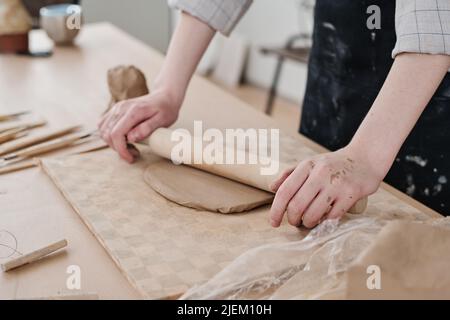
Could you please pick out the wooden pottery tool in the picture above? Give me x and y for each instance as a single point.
(12, 116)
(31, 141)
(19, 131)
(161, 144)
(42, 148)
(19, 166)
(23, 125)
(12, 135)
(33, 256)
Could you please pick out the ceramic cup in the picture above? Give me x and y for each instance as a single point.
(62, 22)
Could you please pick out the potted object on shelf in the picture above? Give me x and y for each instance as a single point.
(15, 23)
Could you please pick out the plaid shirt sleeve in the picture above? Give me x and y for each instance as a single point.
(221, 15)
(422, 26)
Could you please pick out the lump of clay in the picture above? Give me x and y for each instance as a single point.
(126, 82)
(201, 190)
(14, 18)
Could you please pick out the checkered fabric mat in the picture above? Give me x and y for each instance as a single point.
(163, 248)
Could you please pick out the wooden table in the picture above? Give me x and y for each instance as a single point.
(70, 88)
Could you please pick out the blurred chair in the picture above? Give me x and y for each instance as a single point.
(291, 51)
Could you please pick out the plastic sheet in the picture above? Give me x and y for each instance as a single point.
(313, 268)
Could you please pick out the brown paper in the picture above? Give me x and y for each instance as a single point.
(201, 190)
(413, 260)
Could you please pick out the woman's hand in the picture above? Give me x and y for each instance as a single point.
(135, 119)
(323, 187)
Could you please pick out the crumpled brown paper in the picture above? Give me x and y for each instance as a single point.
(126, 82)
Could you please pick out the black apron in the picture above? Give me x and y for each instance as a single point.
(347, 68)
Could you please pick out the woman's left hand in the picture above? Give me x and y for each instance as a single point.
(323, 187)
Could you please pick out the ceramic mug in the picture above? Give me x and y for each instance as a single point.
(62, 22)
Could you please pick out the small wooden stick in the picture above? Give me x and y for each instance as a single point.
(31, 141)
(6, 117)
(34, 162)
(48, 146)
(23, 125)
(19, 166)
(11, 135)
(33, 256)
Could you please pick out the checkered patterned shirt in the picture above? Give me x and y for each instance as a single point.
(221, 15)
(422, 26)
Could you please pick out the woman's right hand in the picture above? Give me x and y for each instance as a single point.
(134, 120)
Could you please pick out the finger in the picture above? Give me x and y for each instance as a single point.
(103, 118)
(144, 129)
(318, 208)
(115, 117)
(122, 128)
(340, 207)
(105, 132)
(133, 150)
(279, 181)
(108, 124)
(301, 201)
(286, 191)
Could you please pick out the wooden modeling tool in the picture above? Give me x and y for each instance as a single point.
(19, 131)
(33, 256)
(42, 148)
(23, 125)
(21, 163)
(12, 135)
(31, 141)
(12, 116)
(19, 166)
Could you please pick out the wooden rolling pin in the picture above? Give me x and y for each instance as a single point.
(162, 145)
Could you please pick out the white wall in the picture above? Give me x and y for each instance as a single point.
(269, 23)
(148, 20)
